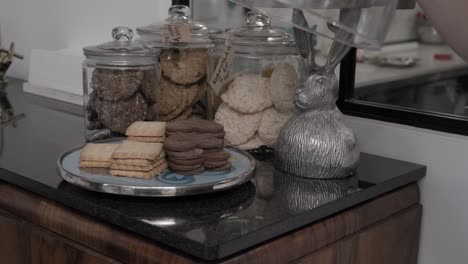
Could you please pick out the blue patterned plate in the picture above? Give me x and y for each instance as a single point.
(167, 183)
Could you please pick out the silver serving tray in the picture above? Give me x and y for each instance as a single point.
(166, 184)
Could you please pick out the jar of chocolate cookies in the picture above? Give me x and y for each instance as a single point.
(120, 80)
(184, 47)
(254, 71)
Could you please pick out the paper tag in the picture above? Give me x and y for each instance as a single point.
(176, 32)
(222, 69)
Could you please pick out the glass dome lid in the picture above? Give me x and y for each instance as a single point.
(362, 23)
(123, 50)
(257, 30)
(199, 34)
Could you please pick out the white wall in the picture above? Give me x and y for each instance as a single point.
(58, 24)
(444, 190)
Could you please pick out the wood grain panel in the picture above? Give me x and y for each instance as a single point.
(22, 242)
(318, 235)
(103, 238)
(130, 248)
(394, 241)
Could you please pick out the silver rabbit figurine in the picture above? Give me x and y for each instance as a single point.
(315, 142)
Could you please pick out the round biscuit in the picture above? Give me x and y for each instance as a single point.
(271, 124)
(283, 84)
(184, 66)
(118, 116)
(248, 93)
(239, 127)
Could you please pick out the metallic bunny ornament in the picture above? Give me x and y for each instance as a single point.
(316, 142)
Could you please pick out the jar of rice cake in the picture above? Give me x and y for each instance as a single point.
(256, 95)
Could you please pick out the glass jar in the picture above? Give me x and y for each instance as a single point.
(257, 97)
(119, 85)
(183, 63)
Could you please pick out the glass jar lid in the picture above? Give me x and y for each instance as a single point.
(257, 31)
(122, 50)
(199, 34)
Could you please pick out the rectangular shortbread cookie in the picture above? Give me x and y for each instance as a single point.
(139, 174)
(146, 129)
(115, 166)
(138, 162)
(138, 150)
(146, 139)
(97, 152)
(94, 164)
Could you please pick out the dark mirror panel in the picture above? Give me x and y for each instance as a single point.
(415, 79)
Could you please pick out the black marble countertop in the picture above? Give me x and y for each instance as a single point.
(207, 227)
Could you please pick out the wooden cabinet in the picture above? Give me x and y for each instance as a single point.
(36, 230)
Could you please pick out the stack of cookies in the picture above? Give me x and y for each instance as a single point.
(146, 131)
(138, 159)
(97, 155)
(193, 146)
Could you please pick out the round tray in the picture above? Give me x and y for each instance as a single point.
(166, 184)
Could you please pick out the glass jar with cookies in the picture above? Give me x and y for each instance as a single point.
(184, 47)
(119, 85)
(255, 97)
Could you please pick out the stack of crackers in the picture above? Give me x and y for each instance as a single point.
(141, 156)
(193, 146)
(138, 160)
(146, 131)
(97, 155)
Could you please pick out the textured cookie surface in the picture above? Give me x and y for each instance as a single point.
(146, 129)
(116, 85)
(186, 161)
(186, 155)
(184, 66)
(139, 174)
(175, 99)
(117, 116)
(94, 164)
(248, 94)
(271, 124)
(147, 139)
(283, 85)
(137, 150)
(97, 152)
(239, 127)
(217, 156)
(202, 126)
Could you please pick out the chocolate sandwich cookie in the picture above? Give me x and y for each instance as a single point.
(186, 155)
(195, 125)
(180, 143)
(212, 150)
(190, 173)
(186, 161)
(118, 115)
(178, 167)
(205, 126)
(214, 164)
(207, 142)
(222, 168)
(217, 156)
(116, 85)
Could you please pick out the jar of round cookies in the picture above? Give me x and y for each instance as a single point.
(184, 47)
(255, 97)
(119, 85)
